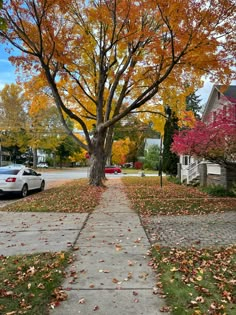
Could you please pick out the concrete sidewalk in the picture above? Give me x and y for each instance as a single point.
(112, 272)
(35, 232)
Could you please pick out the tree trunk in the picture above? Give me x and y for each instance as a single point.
(98, 161)
(108, 146)
(35, 157)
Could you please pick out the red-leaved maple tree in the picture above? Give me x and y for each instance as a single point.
(213, 140)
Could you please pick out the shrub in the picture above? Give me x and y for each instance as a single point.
(138, 165)
(174, 180)
(218, 191)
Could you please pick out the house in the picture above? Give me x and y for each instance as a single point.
(207, 173)
(149, 142)
(219, 99)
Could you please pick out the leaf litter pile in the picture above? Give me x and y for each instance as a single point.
(74, 196)
(149, 198)
(30, 284)
(194, 281)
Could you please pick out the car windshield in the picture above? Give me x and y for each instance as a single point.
(9, 172)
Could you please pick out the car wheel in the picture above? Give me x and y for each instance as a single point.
(42, 186)
(24, 191)
(116, 172)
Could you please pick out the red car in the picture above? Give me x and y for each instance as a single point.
(112, 169)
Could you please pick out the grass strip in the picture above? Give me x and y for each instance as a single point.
(75, 196)
(29, 284)
(197, 281)
(149, 198)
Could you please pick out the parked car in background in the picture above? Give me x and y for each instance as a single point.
(42, 165)
(110, 169)
(20, 180)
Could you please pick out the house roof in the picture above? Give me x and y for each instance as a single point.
(228, 92)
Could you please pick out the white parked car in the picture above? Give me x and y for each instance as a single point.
(20, 179)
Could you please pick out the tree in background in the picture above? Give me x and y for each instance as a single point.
(101, 60)
(46, 130)
(120, 150)
(193, 104)
(14, 120)
(170, 159)
(65, 150)
(152, 157)
(78, 158)
(137, 129)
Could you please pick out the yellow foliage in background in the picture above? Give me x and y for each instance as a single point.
(120, 150)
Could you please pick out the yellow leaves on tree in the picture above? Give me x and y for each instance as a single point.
(120, 150)
(12, 102)
(13, 117)
(79, 157)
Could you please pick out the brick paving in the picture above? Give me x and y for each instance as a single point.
(192, 230)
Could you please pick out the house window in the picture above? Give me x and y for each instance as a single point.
(185, 160)
(213, 116)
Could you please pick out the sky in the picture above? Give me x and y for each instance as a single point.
(7, 76)
(7, 71)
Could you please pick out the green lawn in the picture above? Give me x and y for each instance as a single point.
(135, 171)
(30, 284)
(197, 281)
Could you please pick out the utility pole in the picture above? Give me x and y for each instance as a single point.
(0, 153)
(160, 162)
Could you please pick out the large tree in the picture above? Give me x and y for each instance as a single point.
(104, 59)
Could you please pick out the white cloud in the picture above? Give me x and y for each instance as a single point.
(5, 61)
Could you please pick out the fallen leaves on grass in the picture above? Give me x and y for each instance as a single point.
(75, 196)
(148, 198)
(28, 282)
(201, 279)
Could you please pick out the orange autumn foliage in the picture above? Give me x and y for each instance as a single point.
(120, 150)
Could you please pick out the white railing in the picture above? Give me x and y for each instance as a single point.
(193, 171)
